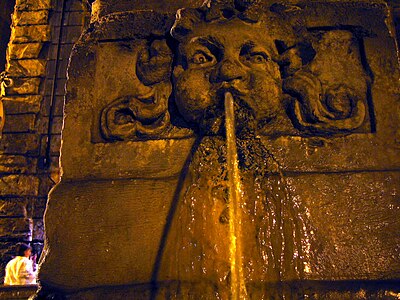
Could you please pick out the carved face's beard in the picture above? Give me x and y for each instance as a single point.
(212, 121)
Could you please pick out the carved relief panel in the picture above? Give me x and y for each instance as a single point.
(299, 82)
(145, 125)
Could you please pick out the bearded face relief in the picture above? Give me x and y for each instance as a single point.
(236, 57)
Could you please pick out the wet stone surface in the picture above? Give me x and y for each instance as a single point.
(298, 200)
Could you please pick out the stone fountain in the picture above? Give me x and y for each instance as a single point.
(235, 150)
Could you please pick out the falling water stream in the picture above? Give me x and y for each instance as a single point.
(238, 287)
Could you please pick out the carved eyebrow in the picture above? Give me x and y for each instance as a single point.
(251, 46)
(209, 42)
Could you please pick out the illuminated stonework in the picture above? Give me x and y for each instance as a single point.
(147, 169)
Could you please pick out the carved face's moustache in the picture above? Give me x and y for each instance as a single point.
(213, 119)
(235, 87)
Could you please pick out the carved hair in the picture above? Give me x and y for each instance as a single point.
(249, 11)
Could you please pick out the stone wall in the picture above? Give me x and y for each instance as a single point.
(29, 149)
(6, 9)
(151, 188)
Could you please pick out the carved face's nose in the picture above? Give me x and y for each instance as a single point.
(229, 70)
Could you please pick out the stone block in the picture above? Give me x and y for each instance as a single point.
(36, 207)
(57, 127)
(22, 104)
(16, 228)
(74, 6)
(33, 4)
(65, 51)
(71, 33)
(20, 143)
(55, 142)
(43, 124)
(38, 230)
(19, 123)
(22, 51)
(29, 34)
(13, 207)
(24, 86)
(74, 18)
(58, 105)
(39, 17)
(60, 87)
(17, 164)
(19, 185)
(26, 67)
(46, 184)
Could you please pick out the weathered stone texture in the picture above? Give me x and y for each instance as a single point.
(36, 207)
(22, 104)
(20, 123)
(38, 229)
(320, 172)
(43, 123)
(16, 228)
(23, 51)
(18, 185)
(17, 164)
(21, 18)
(13, 207)
(24, 86)
(33, 4)
(20, 143)
(26, 67)
(28, 34)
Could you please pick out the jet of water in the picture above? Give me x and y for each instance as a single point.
(238, 287)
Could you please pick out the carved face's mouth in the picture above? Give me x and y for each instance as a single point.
(235, 87)
(213, 118)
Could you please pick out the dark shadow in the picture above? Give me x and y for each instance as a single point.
(170, 218)
(6, 9)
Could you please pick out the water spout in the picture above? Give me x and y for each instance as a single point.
(238, 287)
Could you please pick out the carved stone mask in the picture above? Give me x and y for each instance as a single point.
(227, 55)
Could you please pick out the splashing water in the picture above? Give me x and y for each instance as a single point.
(238, 287)
(238, 232)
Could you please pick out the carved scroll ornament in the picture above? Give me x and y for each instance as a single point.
(320, 109)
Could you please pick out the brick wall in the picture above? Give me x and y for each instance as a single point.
(43, 33)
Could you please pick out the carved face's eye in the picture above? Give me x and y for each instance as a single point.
(257, 58)
(201, 59)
